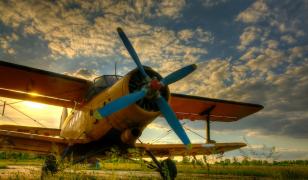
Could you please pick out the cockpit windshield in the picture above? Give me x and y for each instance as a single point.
(101, 83)
(105, 81)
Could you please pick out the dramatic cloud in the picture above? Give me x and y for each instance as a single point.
(83, 29)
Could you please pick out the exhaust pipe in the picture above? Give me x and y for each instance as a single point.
(129, 136)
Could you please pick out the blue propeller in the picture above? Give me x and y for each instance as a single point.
(173, 122)
(153, 86)
(131, 51)
(179, 74)
(120, 103)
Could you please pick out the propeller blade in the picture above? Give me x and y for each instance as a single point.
(179, 74)
(174, 123)
(131, 51)
(119, 104)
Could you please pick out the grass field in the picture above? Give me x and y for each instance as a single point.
(109, 170)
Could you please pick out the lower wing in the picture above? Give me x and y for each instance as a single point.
(27, 141)
(197, 149)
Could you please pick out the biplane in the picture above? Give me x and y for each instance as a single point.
(112, 111)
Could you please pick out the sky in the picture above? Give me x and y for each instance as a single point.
(248, 51)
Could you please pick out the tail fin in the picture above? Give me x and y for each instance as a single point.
(63, 116)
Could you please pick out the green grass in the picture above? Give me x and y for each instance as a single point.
(37, 162)
(186, 170)
(280, 172)
(3, 165)
(123, 166)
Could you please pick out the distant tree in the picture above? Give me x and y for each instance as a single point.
(227, 162)
(245, 161)
(265, 162)
(235, 161)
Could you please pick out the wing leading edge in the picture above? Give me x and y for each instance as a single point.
(201, 108)
(26, 83)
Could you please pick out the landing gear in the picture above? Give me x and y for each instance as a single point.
(50, 166)
(166, 168)
(169, 169)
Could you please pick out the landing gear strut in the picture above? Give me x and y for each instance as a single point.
(166, 168)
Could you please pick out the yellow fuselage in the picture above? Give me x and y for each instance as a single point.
(81, 124)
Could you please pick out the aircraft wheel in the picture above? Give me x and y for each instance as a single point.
(169, 170)
(50, 165)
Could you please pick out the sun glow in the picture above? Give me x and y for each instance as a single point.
(34, 94)
(34, 105)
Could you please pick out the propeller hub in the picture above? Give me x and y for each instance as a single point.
(152, 86)
(155, 84)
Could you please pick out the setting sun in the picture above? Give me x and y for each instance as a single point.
(34, 105)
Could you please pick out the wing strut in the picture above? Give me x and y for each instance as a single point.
(4, 103)
(207, 113)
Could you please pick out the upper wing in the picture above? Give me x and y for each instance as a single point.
(21, 82)
(197, 149)
(198, 108)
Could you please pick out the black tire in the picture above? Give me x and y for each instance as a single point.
(50, 166)
(169, 169)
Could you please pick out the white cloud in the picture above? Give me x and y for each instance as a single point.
(70, 33)
(170, 8)
(157, 126)
(83, 73)
(249, 35)
(6, 43)
(197, 35)
(256, 12)
(288, 39)
(208, 80)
